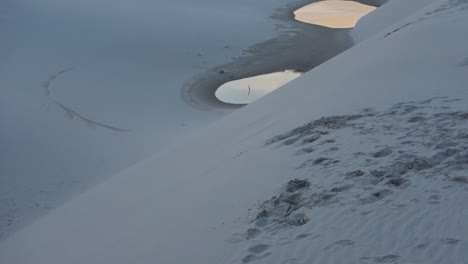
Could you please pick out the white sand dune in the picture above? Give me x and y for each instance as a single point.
(333, 13)
(377, 138)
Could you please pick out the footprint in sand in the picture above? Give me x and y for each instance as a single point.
(382, 153)
(340, 243)
(290, 261)
(434, 199)
(463, 62)
(398, 182)
(449, 241)
(422, 246)
(322, 161)
(309, 236)
(445, 145)
(259, 248)
(383, 259)
(292, 140)
(376, 196)
(311, 139)
(319, 161)
(249, 258)
(252, 232)
(305, 151)
(356, 173)
(416, 119)
(258, 252)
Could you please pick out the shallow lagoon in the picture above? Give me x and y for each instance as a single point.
(333, 13)
(248, 90)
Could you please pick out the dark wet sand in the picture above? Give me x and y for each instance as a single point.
(298, 46)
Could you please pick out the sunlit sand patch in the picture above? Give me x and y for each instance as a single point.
(333, 13)
(247, 90)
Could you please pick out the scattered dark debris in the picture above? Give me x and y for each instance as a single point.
(418, 164)
(297, 184)
(405, 25)
(280, 206)
(460, 179)
(320, 198)
(356, 173)
(298, 219)
(287, 208)
(397, 182)
(262, 214)
(458, 114)
(463, 115)
(400, 168)
(331, 122)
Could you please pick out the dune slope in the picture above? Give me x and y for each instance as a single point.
(376, 136)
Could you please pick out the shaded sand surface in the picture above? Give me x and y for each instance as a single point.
(90, 87)
(247, 90)
(297, 46)
(375, 139)
(333, 14)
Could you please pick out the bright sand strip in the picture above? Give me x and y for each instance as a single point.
(333, 14)
(247, 90)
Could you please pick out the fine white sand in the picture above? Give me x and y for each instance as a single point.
(333, 14)
(376, 137)
(247, 90)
